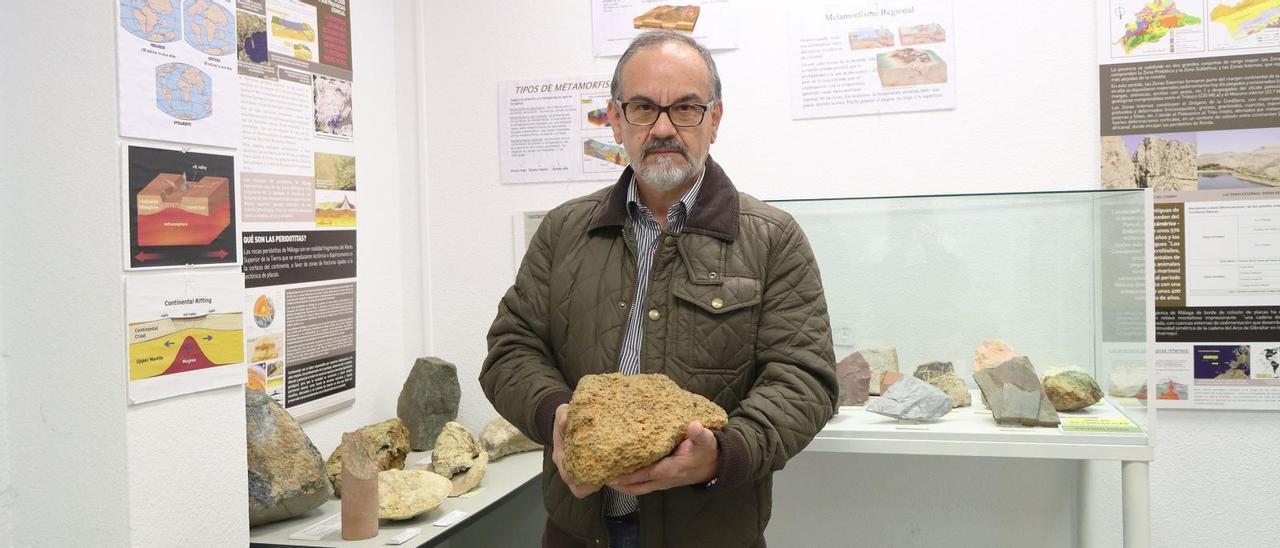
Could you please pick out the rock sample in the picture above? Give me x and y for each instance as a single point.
(887, 379)
(993, 352)
(619, 423)
(1071, 389)
(501, 438)
(403, 494)
(943, 376)
(912, 399)
(1118, 170)
(458, 457)
(428, 399)
(360, 476)
(388, 439)
(853, 373)
(286, 472)
(1166, 164)
(878, 360)
(1014, 394)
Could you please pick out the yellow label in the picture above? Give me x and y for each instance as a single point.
(1095, 424)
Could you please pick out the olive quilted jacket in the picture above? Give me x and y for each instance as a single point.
(735, 312)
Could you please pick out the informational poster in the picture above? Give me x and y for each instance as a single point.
(299, 202)
(557, 130)
(1190, 108)
(614, 23)
(185, 333)
(178, 71)
(181, 208)
(871, 56)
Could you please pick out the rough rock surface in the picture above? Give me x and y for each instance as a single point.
(1118, 170)
(501, 438)
(1013, 393)
(912, 399)
(1071, 389)
(390, 443)
(286, 472)
(619, 423)
(455, 450)
(468, 480)
(943, 376)
(993, 352)
(403, 494)
(879, 360)
(1166, 164)
(887, 379)
(853, 373)
(428, 399)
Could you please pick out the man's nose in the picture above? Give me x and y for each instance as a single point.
(662, 127)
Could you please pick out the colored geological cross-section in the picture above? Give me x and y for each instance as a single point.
(151, 20)
(210, 27)
(183, 91)
(605, 151)
(1153, 22)
(168, 346)
(1247, 17)
(285, 28)
(174, 211)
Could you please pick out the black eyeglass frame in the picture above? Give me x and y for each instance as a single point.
(706, 107)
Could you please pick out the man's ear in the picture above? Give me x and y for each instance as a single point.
(717, 110)
(615, 120)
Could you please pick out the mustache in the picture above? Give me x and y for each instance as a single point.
(669, 144)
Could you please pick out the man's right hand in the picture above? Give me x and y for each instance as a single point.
(557, 453)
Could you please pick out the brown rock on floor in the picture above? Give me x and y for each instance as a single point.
(390, 442)
(620, 423)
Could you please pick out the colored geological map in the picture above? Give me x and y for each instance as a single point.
(210, 27)
(168, 346)
(151, 20)
(1153, 22)
(1248, 17)
(183, 91)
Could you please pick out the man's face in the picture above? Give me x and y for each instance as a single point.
(665, 156)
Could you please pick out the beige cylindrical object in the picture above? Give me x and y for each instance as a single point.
(359, 488)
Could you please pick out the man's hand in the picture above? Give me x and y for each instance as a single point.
(695, 461)
(557, 453)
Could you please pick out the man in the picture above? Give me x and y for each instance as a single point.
(673, 271)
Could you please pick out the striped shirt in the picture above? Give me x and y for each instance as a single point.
(648, 234)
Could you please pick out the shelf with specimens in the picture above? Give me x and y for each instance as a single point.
(1016, 324)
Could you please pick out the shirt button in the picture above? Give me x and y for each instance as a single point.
(717, 303)
(654, 314)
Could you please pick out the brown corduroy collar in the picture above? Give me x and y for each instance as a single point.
(714, 213)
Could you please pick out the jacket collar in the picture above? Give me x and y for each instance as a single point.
(714, 213)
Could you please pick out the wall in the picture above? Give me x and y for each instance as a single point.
(1026, 120)
(6, 485)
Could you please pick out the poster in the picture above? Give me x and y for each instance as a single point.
(299, 201)
(557, 130)
(614, 23)
(1190, 108)
(181, 208)
(177, 71)
(871, 56)
(184, 333)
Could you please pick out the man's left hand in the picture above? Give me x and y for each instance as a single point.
(695, 461)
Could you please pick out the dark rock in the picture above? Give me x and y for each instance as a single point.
(286, 473)
(428, 399)
(1071, 389)
(1013, 393)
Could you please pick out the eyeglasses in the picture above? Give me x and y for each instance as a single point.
(644, 113)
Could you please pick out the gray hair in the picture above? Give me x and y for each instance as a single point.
(655, 38)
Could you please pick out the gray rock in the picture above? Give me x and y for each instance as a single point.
(1071, 390)
(853, 373)
(912, 399)
(455, 450)
(1013, 393)
(286, 473)
(428, 399)
(501, 438)
(879, 360)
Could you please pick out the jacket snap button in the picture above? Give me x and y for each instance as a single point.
(711, 275)
(622, 304)
(669, 240)
(654, 314)
(717, 303)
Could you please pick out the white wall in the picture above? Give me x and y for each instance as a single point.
(1026, 120)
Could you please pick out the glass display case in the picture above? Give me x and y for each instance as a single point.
(1063, 278)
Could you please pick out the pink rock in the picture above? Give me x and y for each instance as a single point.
(993, 352)
(854, 375)
(887, 379)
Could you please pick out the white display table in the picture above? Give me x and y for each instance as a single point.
(501, 481)
(972, 432)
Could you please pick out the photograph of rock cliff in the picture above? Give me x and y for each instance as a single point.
(1242, 158)
(1160, 162)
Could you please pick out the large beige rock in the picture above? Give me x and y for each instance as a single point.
(389, 440)
(1166, 164)
(620, 423)
(403, 494)
(501, 438)
(455, 450)
(469, 479)
(1118, 170)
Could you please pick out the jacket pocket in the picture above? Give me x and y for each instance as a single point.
(715, 324)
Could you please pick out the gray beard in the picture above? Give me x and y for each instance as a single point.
(665, 175)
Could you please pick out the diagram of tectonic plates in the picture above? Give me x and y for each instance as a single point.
(168, 346)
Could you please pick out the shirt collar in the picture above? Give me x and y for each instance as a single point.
(686, 201)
